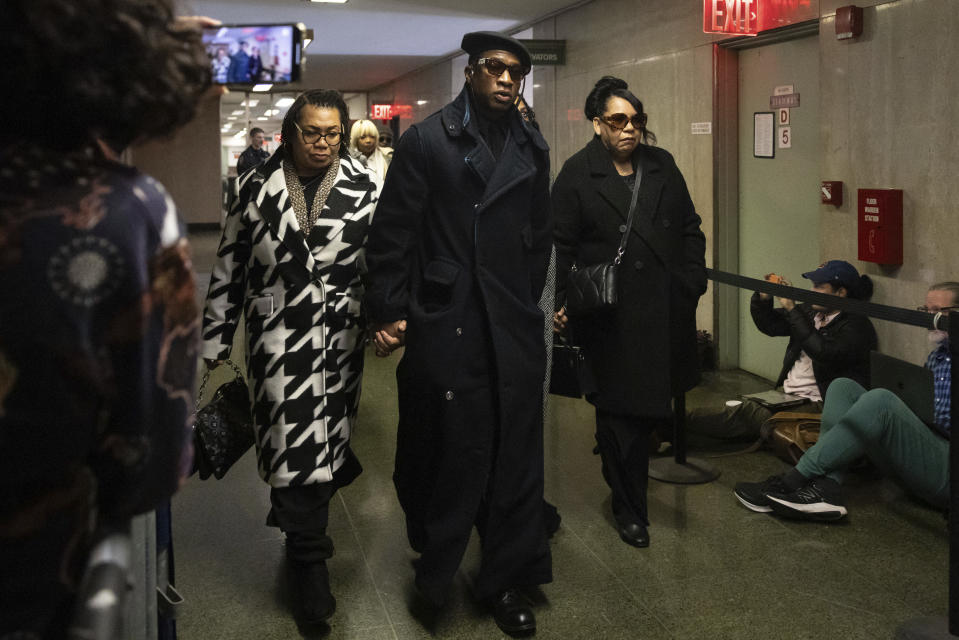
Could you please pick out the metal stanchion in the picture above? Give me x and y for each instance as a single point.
(679, 469)
(936, 627)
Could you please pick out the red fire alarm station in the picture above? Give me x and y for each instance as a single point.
(880, 225)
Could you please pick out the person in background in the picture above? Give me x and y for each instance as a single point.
(643, 352)
(824, 344)
(221, 66)
(98, 323)
(254, 155)
(240, 64)
(386, 138)
(458, 255)
(876, 425)
(289, 263)
(364, 146)
(256, 64)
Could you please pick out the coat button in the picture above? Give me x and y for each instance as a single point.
(449, 395)
(666, 223)
(622, 228)
(638, 264)
(477, 205)
(459, 331)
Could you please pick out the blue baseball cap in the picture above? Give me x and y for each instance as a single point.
(837, 272)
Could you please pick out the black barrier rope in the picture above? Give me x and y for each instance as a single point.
(871, 309)
(920, 628)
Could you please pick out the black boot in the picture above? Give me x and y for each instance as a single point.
(512, 614)
(311, 587)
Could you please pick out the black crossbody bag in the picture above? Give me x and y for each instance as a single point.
(592, 289)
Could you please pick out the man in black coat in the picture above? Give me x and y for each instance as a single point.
(255, 154)
(457, 256)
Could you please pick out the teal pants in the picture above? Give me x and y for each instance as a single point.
(878, 425)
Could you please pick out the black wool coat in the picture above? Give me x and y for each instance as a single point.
(459, 247)
(644, 351)
(838, 350)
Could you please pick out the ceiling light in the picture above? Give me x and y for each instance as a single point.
(262, 118)
(537, 86)
(240, 134)
(238, 112)
(249, 103)
(307, 38)
(421, 102)
(231, 117)
(261, 88)
(284, 102)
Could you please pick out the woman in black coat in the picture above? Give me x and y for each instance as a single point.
(644, 351)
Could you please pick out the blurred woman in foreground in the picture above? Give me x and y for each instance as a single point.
(98, 321)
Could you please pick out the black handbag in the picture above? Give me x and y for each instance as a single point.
(223, 431)
(592, 289)
(570, 376)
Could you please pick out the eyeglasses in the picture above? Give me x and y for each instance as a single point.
(926, 309)
(332, 138)
(618, 121)
(496, 68)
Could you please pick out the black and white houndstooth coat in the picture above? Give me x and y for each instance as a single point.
(303, 323)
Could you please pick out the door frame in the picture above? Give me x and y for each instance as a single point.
(726, 177)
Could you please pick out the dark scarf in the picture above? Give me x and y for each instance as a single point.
(494, 132)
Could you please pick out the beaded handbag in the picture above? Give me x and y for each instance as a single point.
(223, 431)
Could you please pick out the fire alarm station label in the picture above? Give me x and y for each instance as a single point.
(871, 210)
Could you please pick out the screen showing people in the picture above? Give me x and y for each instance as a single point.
(251, 54)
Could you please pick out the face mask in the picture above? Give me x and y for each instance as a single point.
(937, 337)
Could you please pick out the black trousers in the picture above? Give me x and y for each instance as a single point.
(303, 514)
(624, 447)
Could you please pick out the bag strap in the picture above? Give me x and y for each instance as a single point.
(629, 217)
(206, 378)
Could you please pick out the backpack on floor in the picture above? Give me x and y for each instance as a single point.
(790, 433)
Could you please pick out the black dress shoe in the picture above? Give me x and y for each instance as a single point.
(634, 534)
(311, 586)
(512, 614)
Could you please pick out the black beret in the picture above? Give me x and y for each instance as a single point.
(477, 42)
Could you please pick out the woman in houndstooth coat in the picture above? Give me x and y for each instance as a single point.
(300, 295)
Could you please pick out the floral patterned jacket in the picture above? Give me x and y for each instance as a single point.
(98, 345)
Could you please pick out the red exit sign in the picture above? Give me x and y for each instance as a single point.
(381, 111)
(750, 17)
(387, 111)
(735, 17)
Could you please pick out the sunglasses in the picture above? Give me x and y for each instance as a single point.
(618, 121)
(496, 68)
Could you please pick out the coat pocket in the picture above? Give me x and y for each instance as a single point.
(260, 307)
(439, 281)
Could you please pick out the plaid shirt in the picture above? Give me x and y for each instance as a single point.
(940, 362)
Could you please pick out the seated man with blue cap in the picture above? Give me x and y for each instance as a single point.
(873, 424)
(824, 344)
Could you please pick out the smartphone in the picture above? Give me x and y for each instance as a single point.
(248, 54)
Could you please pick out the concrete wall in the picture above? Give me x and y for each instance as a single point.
(188, 165)
(888, 120)
(888, 112)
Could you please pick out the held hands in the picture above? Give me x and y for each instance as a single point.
(560, 321)
(389, 337)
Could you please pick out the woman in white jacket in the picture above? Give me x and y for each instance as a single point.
(365, 146)
(289, 263)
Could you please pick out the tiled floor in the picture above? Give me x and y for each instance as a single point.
(714, 570)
